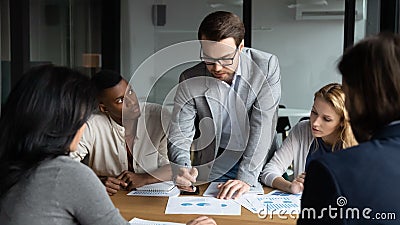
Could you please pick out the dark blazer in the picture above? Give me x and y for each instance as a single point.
(364, 178)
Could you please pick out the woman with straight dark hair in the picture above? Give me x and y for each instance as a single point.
(360, 185)
(41, 123)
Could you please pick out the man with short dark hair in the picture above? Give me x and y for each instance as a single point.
(230, 100)
(125, 141)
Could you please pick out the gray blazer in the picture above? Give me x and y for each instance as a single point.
(197, 111)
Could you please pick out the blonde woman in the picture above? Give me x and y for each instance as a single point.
(328, 130)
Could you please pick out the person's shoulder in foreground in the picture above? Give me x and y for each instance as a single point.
(356, 184)
(58, 180)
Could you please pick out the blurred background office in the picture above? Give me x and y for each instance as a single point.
(308, 36)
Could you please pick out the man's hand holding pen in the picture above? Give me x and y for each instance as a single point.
(186, 178)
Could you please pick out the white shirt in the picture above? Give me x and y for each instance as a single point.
(294, 149)
(232, 132)
(104, 140)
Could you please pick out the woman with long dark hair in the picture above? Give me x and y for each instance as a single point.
(42, 121)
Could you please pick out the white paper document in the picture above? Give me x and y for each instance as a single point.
(137, 221)
(275, 202)
(279, 202)
(202, 205)
(250, 202)
(212, 190)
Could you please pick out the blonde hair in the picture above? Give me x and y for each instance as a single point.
(334, 95)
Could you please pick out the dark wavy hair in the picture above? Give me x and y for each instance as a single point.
(371, 78)
(42, 114)
(220, 25)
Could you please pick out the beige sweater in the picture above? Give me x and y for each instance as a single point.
(104, 140)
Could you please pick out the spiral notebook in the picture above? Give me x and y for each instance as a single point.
(161, 186)
(166, 188)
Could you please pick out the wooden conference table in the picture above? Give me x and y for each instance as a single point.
(152, 208)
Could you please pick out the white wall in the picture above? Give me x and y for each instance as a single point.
(137, 34)
(184, 18)
(137, 38)
(140, 39)
(307, 50)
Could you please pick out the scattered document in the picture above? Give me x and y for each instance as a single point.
(251, 203)
(162, 189)
(278, 202)
(202, 205)
(137, 221)
(275, 202)
(212, 190)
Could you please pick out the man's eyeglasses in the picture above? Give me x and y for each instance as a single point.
(220, 61)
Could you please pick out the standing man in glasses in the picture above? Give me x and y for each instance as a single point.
(225, 110)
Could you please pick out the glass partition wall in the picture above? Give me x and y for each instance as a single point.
(5, 74)
(66, 32)
(306, 35)
(150, 26)
(60, 32)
